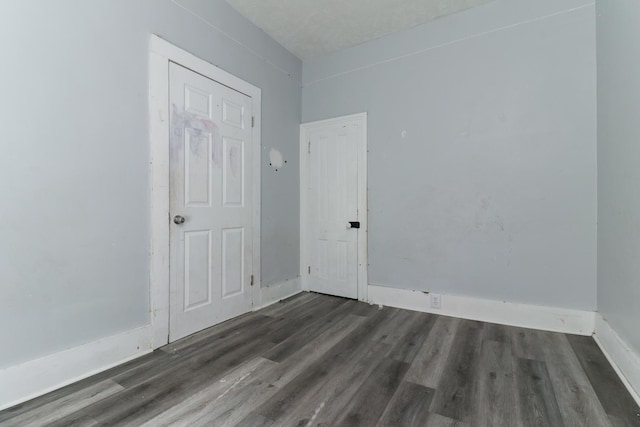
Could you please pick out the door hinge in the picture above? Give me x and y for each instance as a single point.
(253, 121)
(252, 280)
(309, 147)
(309, 269)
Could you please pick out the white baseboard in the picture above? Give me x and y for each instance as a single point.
(34, 378)
(622, 357)
(523, 315)
(277, 291)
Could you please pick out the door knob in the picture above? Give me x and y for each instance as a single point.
(178, 219)
(353, 224)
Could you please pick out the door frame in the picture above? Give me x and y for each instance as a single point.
(161, 53)
(363, 210)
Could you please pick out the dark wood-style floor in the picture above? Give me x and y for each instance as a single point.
(326, 361)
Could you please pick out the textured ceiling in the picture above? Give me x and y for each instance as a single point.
(311, 28)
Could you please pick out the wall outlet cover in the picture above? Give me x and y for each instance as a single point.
(436, 300)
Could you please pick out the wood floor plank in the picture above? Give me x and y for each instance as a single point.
(304, 335)
(142, 402)
(324, 405)
(226, 329)
(243, 401)
(255, 421)
(188, 411)
(144, 373)
(310, 353)
(319, 372)
(409, 407)
(371, 399)
(578, 402)
(297, 314)
(397, 318)
(364, 309)
(496, 394)
(83, 421)
(397, 326)
(292, 307)
(65, 405)
(431, 359)
(409, 343)
(607, 385)
(436, 420)
(455, 395)
(286, 326)
(526, 343)
(497, 332)
(619, 422)
(536, 398)
(295, 299)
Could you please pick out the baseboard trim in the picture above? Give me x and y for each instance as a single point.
(277, 291)
(625, 361)
(523, 315)
(40, 376)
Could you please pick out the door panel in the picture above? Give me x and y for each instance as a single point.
(197, 274)
(210, 187)
(333, 203)
(232, 262)
(197, 172)
(233, 173)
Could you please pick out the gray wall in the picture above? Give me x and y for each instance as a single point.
(492, 193)
(73, 171)
(618, 27)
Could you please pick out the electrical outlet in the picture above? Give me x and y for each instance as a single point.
(436, 300)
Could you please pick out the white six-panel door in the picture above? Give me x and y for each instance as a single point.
(210, 202)
(332, 204)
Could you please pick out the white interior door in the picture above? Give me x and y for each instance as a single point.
(210, 202)
(333, 214)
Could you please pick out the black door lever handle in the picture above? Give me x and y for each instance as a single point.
(354, 224)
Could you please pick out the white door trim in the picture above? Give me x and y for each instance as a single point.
(363, 211)
(161, 53)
